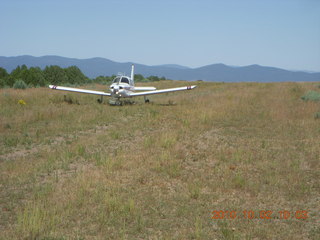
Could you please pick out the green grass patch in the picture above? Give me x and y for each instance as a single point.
(311, 96)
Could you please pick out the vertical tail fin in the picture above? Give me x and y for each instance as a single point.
(132, 74)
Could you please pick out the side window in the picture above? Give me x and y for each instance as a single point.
(116, 80)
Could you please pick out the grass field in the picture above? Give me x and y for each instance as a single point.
(223, 161)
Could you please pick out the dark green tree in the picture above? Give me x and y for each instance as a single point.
(4, 77)
(75, 76)
(15, 73)
(2, 83)
(55, 75)
(3, 73)
(138, 78)
(35, 77)
(154, 78)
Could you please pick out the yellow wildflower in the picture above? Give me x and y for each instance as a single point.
(21, 102)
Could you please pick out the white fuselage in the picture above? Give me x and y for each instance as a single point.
(121, 86)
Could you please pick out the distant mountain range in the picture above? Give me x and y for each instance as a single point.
(94, 67)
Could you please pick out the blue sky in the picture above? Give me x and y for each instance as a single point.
(194, 33)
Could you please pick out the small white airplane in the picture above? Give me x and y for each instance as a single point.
(123, 87)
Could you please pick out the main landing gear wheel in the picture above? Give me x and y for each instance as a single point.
(146, 100)
(100, 100)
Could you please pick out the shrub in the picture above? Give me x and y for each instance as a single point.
(311, 96)
(20, 84)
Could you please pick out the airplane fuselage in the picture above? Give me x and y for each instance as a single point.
(121, 87)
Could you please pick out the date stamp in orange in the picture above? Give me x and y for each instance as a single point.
(262, 214)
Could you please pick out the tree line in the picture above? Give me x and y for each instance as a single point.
(36, 77)
(23, 77)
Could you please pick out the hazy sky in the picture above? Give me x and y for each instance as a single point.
(279, 33)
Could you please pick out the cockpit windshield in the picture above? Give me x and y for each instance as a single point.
(121, 80)
(124, 80)
(116, 80)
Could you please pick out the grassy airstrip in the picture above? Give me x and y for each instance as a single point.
(170, 169)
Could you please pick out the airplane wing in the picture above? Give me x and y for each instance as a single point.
(79, 90)
(144, 88)
(162, 91)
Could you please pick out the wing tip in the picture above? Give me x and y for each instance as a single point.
(191, 87)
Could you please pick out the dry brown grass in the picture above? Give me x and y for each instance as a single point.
(157, 171)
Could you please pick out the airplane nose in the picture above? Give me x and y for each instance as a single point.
(115, 89)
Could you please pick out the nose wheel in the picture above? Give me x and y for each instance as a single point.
(115, 102)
